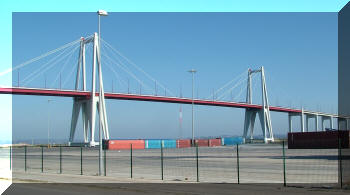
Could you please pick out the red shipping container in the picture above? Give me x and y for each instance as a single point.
(125, 144)
(183, 143)
(214, 142)
(202, 142)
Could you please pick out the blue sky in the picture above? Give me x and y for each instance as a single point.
(298, 51)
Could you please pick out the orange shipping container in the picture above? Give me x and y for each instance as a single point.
(214, 142)
(202, 142)
(183, 143)
(126, 144)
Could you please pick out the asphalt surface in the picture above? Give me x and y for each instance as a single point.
(178, 189)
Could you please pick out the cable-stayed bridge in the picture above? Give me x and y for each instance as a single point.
(90, 99)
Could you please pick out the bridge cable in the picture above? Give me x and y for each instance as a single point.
(226, 84)
(74, 68)
(64, 65)
(30, 77)
(39, 57)
(115, 73)
(127, 71)
(138, 68)
(110, 66)
(234, 86)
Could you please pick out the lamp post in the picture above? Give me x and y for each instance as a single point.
(192, 71)
(48, 122)
(100, 13)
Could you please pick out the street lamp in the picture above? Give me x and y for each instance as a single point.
(192, 71)
(48, 122)
(100, 13)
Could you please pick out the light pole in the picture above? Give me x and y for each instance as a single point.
(192, 71)
(48, 122)
(100, 13)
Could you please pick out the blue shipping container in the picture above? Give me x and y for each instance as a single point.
(156, 143)
(231, 141)
(169, 143)
(152, 143)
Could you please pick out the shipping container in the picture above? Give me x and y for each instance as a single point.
(156, 143)
(214, 142)
(152, 143)
(183, 143)
(169, 143)
(202, 142)
(318, 140)
(226, 141)
(125, 144)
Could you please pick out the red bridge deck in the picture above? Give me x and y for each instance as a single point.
(120, 96)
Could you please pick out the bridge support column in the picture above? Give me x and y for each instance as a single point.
(322, 123)
(249, 121)
(302, 122)
(96, 103)
(331, 122)
(307, 122)
(290, 123)
(302, 126)
(308, 117)
(264, 112)
(330, 118)
(78, 105)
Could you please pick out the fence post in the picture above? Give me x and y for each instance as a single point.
(10, 157)
(81, 160)
(105, 162)
(42, 159)
(284, 164)
(161, 160)
(60, 159)
(340, 162)
(237, 163)
(130, 160)
(197, 162)
(25, 158)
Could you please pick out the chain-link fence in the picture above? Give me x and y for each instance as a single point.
(246, 163)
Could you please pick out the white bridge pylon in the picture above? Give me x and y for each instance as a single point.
(264, 113)
(95, 102)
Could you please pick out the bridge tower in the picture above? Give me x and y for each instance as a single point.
(264, 112)
(96, 102)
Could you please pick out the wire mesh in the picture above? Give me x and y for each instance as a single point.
(71, 160)
(51, 160)
(90, 162)
(318, 167)
(180, 164)
(33, 159)
(18, 159)
(118, 163)
(147, 163)
(261, 163)
(218, 164)
(258, 163)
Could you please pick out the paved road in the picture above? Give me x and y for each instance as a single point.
(154, 189)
